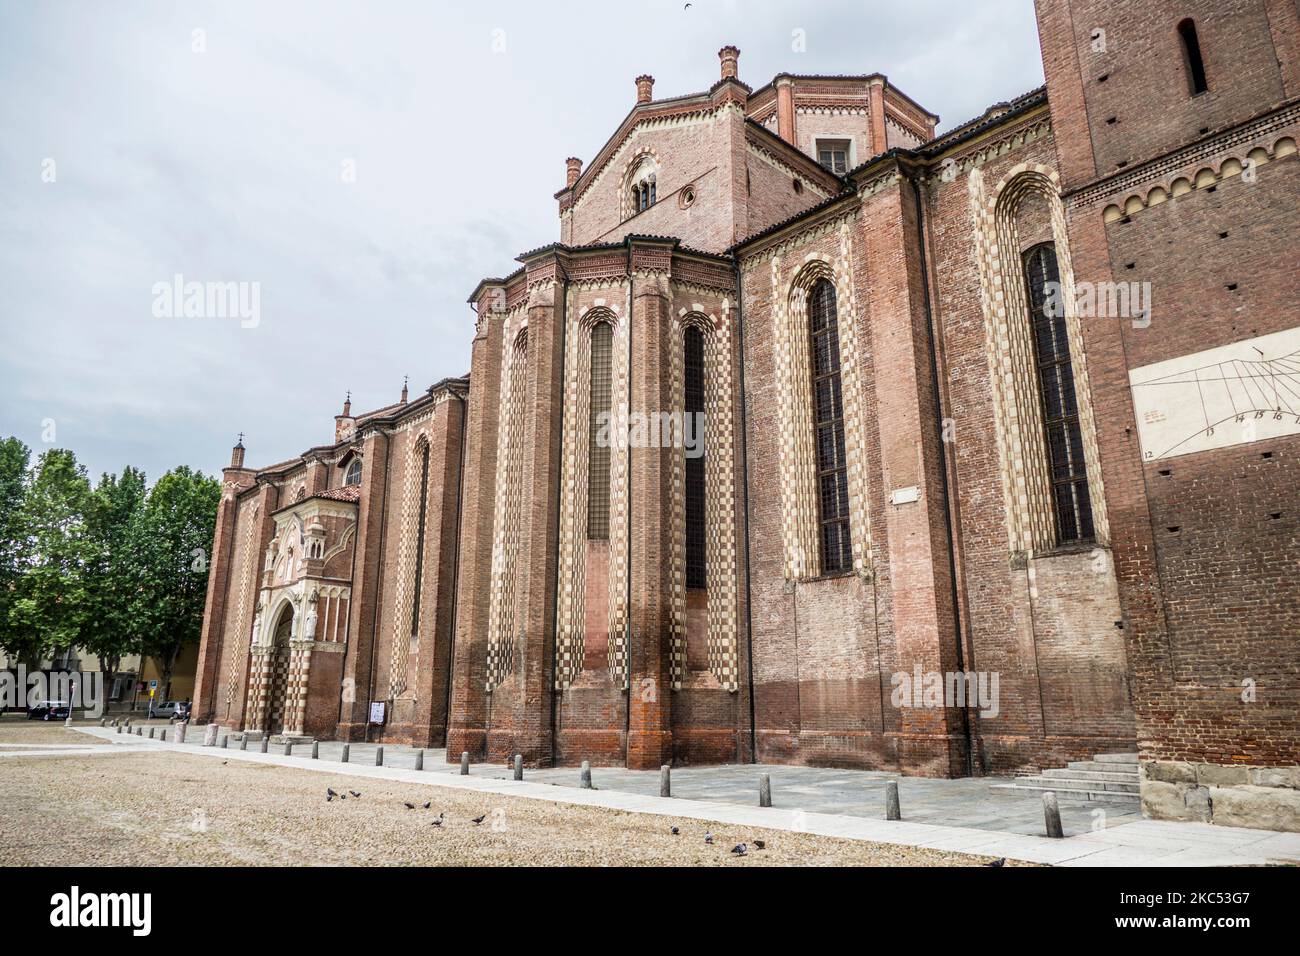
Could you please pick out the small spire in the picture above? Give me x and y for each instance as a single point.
(240, 442)
(347, 404)
(405, 379)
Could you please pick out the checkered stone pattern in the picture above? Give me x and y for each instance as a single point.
(800, 509)
(573, 499)
(507, 525)
(278, 681)
(259, 680)
(247, 566)
(794, 419)
(619, 516)
(295, 705)
(404, 597)
(721, 569)
(1023, 457)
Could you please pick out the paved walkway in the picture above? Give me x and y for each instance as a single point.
(802, 799)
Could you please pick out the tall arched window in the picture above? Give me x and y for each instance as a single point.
(693, 407)
(828, 422)
(354, 473)
(1069, 476)
(1192, 56)
(419, 545)
(602, 353)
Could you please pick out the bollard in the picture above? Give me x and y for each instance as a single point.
(210, 735)
(151, 733)
(1052, 815)
(379, 756)
(764, 790)
(225, 740)
(584, 777)
(67, 721)
(103, 721)
(665, 782)
(464, 763)
(119, 728)
(288, 748)
(266, 742)
(419, 760)
(243, 742)
(315, 750)
(892, 809)
(162, 734)
(346, 749)
(139, 731)
(180, 733)
(519, 766)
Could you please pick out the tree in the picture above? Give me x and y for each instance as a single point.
(15, 458)
(112, 626)
(170, 543)
(49, 607)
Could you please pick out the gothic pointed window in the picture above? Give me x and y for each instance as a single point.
(354, 473)
(828, 424)
(693, 408)
(602, 348)
(419, 544)
(1069, 477)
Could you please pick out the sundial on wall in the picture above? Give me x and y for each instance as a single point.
(1231, 395)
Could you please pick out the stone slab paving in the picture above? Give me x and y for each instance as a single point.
(810, 800)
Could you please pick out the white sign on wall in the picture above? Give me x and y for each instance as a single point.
(1231, 395)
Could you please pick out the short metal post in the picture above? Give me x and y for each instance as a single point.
(519, 766)
(464, 763)
(315, 750)
(346, 749)
(764, 790)
(419, 760)
(584, 776)
(665, 782)
(379, 756)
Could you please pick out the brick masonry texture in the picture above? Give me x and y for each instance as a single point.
(1173, 630)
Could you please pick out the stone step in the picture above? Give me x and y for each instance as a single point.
(1078, 783)
(1116, 758)
(1091, 766)
(1097, 776)
(1086, 795)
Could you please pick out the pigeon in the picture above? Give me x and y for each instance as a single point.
(354, 793)
(674, 831)
(1000, 861)
(438, 822)
(328, 797)
(410, 806)
(329, 792)
(760, 844)
(428, 804)
(739, 849)
(708, 838)
(477, 820)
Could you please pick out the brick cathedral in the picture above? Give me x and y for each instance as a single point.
(1020, 401)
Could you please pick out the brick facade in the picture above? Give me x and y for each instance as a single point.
(710, 213)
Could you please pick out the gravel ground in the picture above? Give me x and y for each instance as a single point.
(177, 809)
(38, 733)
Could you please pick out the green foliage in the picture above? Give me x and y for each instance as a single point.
(49, 603)
(116, 570)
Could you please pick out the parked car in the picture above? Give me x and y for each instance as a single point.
(49, 710)
(167, 708)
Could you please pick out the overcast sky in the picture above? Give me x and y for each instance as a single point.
(365, 164)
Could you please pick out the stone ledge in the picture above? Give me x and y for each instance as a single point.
(1266, 798)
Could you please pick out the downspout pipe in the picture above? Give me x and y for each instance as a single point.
(455, 565)
(932, 350)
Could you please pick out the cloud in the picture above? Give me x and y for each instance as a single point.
(229, 165)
